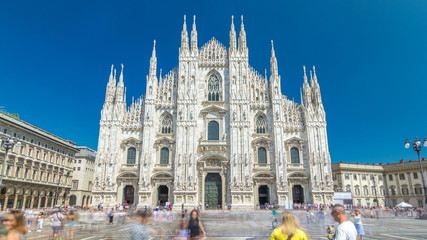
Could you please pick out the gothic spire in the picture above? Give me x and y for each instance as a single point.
(194, 36)
(305, 76)
(111, 86)
(273, 61)
(232, 35)
(153, 61)
(306, 99)
(242, 36)
(184, 36)
(314, 76)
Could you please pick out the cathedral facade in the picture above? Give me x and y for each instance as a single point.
(213, 132)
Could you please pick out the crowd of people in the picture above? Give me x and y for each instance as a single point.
(64, 222)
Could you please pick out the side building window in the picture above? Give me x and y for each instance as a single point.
(131, 159)
(164, 155)
(295, 155)
(213, 130)
(262, 155)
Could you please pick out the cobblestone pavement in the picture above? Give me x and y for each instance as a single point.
(252, 225)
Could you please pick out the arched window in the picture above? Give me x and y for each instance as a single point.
(164, 155)
(166, 124)
(366, 191)
(131, 155)
(260, 124)
(262, 155)
(213, 130)
(357, 190)
(214, 88)
(295, 155)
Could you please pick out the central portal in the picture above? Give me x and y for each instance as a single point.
(129, 194)
(298, 194)
(213, 191)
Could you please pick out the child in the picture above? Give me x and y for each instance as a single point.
(40, 222)
(330, 230)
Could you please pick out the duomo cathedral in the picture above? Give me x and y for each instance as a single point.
(213, 132)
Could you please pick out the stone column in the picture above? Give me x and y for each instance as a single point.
(15, 201)
(5, 202)
(25, 201)
(39, 202)
(32, 202)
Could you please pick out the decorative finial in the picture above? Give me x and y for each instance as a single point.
(121, 72)
(242, 25)
(232, 22)
(273, 53)
(154, 48)
(184, 26)
(265, 73)
(305, 74)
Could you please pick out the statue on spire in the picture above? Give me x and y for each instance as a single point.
(194, 47)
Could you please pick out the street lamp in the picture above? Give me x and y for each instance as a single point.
(375, 189)
(417, 146)
(6, 144)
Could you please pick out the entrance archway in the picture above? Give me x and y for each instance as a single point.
(129, 194)
(163, 195)
(263, 195)
(213, 191)
(298, 194)
(73, 200)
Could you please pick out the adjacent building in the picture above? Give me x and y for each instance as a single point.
(213, 131)
(83, 172)
(364, 181)
(390, 183)
(38, 172)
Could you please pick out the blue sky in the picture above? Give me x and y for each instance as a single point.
(370, 57)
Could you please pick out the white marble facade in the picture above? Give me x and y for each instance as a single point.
(213, 131)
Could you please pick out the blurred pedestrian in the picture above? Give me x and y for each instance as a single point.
(57, 220)
(139, 229)
(111, 216)
(195, 227)
(182, 232)
(71, 217)
(40, 220)
(15, 224)
(358, 224)
(346, 229)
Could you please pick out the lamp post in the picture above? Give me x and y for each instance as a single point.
(375, 189)
(417, 146)
(6, 144)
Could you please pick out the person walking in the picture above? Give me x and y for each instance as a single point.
(16, 226)
(195, 227)
(111, 216)
(289, 230)
(358, 224)
(346, 229)
(40, 220)
(57, 218)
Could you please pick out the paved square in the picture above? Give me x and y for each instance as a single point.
(256, 225)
